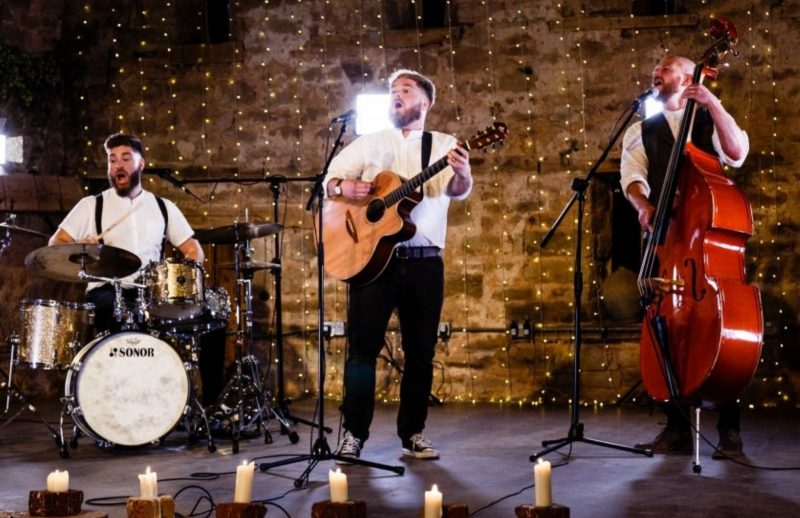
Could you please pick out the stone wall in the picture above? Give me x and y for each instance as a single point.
(559, 74)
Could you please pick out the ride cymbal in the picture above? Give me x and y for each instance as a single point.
(236, 233)
(64, 262)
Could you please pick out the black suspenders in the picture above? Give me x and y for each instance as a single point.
(98, 219)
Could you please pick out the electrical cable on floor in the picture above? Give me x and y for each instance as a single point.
(121, 500)
(511, 495)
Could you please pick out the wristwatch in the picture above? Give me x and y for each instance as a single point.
(337, 187)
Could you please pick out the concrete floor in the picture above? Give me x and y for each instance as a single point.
(484, 464)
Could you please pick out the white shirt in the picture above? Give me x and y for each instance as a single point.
(140, 232)
(633, 166)
(389, 150)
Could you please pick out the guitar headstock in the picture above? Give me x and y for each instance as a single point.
(494, 134)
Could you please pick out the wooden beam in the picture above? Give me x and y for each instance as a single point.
(616, 23)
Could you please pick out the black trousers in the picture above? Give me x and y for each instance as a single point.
(415, 288)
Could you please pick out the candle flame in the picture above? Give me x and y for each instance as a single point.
(540, 461)
(434, 488)
(148, 470)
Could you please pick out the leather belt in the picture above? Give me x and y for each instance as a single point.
(417, 252)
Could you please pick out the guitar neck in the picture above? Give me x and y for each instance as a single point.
(412, 184)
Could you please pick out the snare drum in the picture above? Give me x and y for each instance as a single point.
(175, 290)
(127, 389)
(51, 332)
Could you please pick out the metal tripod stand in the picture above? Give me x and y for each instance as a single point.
(250, 402)
(579, 185)
(12, 392)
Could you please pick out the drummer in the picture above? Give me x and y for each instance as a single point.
(126, 216)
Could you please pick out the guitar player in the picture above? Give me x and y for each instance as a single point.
(413, 281)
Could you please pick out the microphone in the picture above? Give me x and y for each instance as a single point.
(346, 116)
(644, 95)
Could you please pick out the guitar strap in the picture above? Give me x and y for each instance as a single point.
(427, 144)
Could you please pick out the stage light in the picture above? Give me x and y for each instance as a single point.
(373, 113)
(652, 106)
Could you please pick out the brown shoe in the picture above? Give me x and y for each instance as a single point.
(729, 447)
(669, 440)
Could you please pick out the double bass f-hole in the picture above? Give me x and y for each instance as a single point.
(689, 263)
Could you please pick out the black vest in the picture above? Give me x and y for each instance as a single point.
(658, 141)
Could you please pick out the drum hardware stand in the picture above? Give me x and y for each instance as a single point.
(13, 392)
(281, 401)
(246, 388)
(320, 450)
(579, 185)
(194, 408)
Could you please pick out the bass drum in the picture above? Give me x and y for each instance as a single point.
(127, 389)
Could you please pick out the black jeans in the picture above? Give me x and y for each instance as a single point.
(415, 287)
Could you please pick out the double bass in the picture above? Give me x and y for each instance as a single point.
(703, 324)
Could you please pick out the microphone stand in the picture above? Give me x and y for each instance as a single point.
(281, 401)
(320, 450)
(579, 185)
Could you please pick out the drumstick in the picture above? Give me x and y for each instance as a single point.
(120, 220)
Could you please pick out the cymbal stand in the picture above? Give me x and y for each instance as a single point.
(13, 392)
(320, 450)
(246, 387)
(281, 401)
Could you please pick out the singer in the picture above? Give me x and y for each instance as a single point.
(413, 281)
(646, 149)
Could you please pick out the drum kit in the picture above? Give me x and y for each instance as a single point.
(133, 386)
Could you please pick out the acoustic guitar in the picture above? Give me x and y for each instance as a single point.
(359, 235)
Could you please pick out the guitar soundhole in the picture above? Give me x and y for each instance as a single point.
(375, 210)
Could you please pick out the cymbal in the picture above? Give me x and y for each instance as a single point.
(236, 233)
(251, 266)
(63, 262)
(22, 230)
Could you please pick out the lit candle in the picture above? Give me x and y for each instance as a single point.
(338, 484)
(541, 480)
(58, 481)
(433, 503)
(148, 484)
(243, 492)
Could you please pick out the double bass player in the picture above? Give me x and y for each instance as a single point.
(645, 153)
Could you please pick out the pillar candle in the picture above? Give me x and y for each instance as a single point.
(541, 480)
(148, 484)
(338, 485)
(58, 481)
(243, 492)
(433, 503)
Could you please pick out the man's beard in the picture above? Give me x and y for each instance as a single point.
(413, 113)
(134, 179)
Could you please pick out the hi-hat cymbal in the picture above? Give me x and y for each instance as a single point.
(251, 266)
(21, 230)
(63, 262)
(236, 233)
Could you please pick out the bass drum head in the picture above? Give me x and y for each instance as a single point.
(128, 389)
